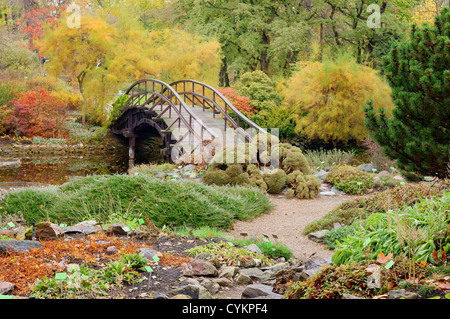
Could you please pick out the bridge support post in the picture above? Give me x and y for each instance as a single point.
(131, 150)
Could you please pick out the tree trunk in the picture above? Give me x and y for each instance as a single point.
(224, 80)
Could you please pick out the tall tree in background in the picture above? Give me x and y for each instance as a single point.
(418, 134)
(264, 35)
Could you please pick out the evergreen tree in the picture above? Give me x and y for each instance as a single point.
(418, 133)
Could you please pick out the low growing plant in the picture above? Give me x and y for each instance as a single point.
(350, 180)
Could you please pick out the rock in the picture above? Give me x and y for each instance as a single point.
(253, 248)
(198, 267)
(258, 290)
(223, 282)
(318, 235)
(117, 229)
(328, 193)
(210, 285)
(242, 279)
(399, 178)
(181, 296)
(213, 259)
(248, 263)
(321, 175)
(188, 167)
(367, 167)
(10, 163)
(276, 268)
(337, 225)
(312, 266)
(86, 227)
(48, 231)
(194, 291)
(349, 296)
(401, 294)
(6, 288)
(228, 271)
(147, 252)
(111, 250)
(337, 191)
(18, 245)
(257, 274)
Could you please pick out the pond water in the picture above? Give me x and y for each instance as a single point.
(57, 170)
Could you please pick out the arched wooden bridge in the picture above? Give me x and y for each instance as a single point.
(186, 114)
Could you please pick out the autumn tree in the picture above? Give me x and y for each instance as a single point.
(326, 98)
(417, 134)
(111, 50)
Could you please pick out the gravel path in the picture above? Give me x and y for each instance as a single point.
(287, 221)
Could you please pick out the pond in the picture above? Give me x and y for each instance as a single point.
(56, 170)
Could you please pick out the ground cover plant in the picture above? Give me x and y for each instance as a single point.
(421, 232)
(390, 199)
(163, 202)
(350, 179)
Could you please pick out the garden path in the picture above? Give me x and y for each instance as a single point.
(287, 221)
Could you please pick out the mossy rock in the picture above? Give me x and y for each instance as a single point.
(275, 181)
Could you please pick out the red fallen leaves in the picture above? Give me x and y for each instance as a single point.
(23, 268)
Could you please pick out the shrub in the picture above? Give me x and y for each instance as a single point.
(163, 202)
(37, 113)
(328, 158)
(256, 165)
(350, 179)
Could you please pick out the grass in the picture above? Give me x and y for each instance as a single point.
(328, 158)
(171, 203)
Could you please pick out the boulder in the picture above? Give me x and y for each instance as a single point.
(312, 266)
(223, 282)
(198, 267)
(19, 245)
(111, 250)
(118, 229)
(47, 231)
(318, 235)
(401, 294)
(147, 252)
(228, 271)
(258, 290)
(253, 248)
(257, 274)
(194, 291)
(327, 193)
(349, 296)
(242, 279)
(6, 288)
(86, 227)
(367, 167)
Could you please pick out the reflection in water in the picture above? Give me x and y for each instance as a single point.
(61, 169)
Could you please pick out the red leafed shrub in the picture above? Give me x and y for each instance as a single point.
(37, 113)
(240, 102)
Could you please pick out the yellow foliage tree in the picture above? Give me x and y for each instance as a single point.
(327, 99)
(110, 50)
(427, 10)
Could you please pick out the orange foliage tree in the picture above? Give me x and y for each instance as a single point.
(37, 113)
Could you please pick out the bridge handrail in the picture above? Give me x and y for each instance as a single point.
(228, 104)
(173, 94)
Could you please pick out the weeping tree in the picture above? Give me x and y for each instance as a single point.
(418, 133)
